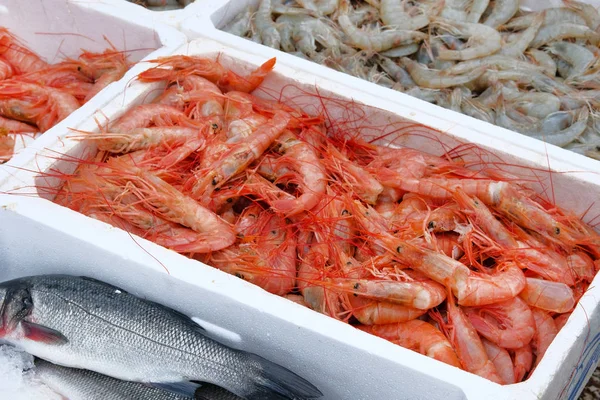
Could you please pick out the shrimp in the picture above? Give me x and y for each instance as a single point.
(578, 57)
(28, 102)
(239, 156)
(7, 145)
(587, 11)
(516, 47)
(502, 12)
(321, 7)
(509, 324)
(172, 205)
(418, 336)
(301, 159)
(6, 70)
(421, 295)
(370, 312)
(501, 360)
(478, 7)
(495, 61)
(552, 16)
(19, 57)
(544, 60)
(552, 33)
(240, 25)
(435, 79)
(582, 266)
(567, 135)
(393, 14)
(374, 41)
(367, 188)
(265, 26)
(269, 261)
(483, 40)
(523, 360)
(561, 320)
(10, 125)
(468, 346)
(545, 332)
(547, 295)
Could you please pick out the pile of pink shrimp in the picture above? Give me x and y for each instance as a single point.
(35, 95)
(465, 267)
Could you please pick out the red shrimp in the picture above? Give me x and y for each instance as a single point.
(370, 312)
(501, 360)
(418, 336)
(523, 361)
(546, 295)
(10, 125)
(545, 332)
(509, 324)
(144, 115)
(6, 70)
(21, 59)
(582, 266)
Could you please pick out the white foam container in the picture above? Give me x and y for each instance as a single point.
(218, 13)
(57, 29)
(173, 18)
(343, 362)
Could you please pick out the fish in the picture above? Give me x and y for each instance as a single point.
(81, 322)
(81, 384)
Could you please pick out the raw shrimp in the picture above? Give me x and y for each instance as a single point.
(393, 14)
(468, 346)
(374, 41)
(265, 26)
(516, 47)
(582, 266)
(418, 336)
(6, 70)
(478, 7)
(551, 16)
(544, 60)
(587, 11)
(435, 79)
(10, 125)
(172, 205)
(523, 361)
(545, 332)
(19, 57)
(567, 135)
(547, 295)
(509, 324)
(578, 57)
(239, 156)
(552, 33)
(301, 159)
(483, 40)
(321, 7)
(502, 11)
(371, 312)
(501, 360)
(28, 102)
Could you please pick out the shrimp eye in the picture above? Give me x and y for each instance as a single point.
(345, 212)
(241, 276)
(399, 249)
(356, 286)
(431, 225)
(215, 126)
(78, 68)
(475, 202)
(217, 189)
(215, 181)
(273, 232)
(229, 200)
(557, 230)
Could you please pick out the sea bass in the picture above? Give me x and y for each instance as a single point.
(84, 323)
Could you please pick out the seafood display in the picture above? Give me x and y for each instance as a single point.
(162, 5)
(80, 322)
(536, 73)
(465, 266)
(35, 95)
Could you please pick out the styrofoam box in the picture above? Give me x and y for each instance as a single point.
(218, 13)
(343, 362)
(171, 17)
(58, 29)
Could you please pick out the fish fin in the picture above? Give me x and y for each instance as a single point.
(183, 388)
(40, 333)
(275, 382)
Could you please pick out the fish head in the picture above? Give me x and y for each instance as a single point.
(15, 304)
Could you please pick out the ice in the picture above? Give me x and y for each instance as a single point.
(17, 378)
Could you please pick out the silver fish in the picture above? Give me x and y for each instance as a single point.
(81, 384)
(80, 322)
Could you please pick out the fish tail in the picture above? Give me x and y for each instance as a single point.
(273, 381)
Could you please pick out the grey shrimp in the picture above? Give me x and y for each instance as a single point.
(374, 40)
(552, 16)
(502, 12)
(393, 14)
(434, 79)
(483, 40)
(478, 7)
(516, 47)
(265, 26)
(551, 33)
(321, 7)
(567, 135)
(544, 60)
(578, 57)
(587, 11)
(496, 61)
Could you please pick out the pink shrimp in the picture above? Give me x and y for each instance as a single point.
(418, 336)
(172, 205)
(561, 320)
(10, 125)
(546, 295)
(22, 59)
(370, 312)
(6, 70)
(523, 361)
(238, 157)
(468, 346)
(545, 332)
(582, 266)
(304, 162)
(268, 260)
(28, 102)
(509, 324)
(144, 115)
(501, 360)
